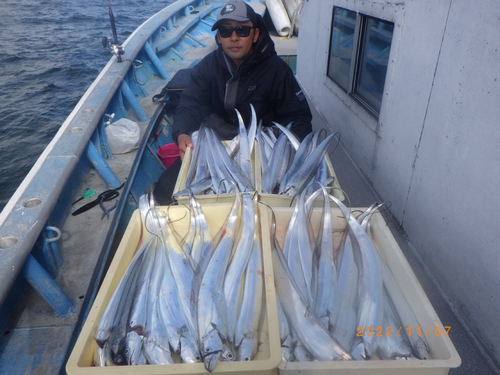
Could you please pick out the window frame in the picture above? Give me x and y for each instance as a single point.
(358, 49)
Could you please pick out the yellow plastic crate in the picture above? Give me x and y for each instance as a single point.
(442, 352)
(268, 357)
(180, 184)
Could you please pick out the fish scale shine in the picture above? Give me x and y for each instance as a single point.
(370, 303)
(246, 332)
(212, 314)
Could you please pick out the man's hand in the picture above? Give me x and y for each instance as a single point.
(184, 141)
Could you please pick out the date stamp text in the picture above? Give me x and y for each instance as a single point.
(396, 331)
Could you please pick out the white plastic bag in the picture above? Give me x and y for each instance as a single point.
(123, 136)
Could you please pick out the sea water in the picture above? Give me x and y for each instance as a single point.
(50, 53)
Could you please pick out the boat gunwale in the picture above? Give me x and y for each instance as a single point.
(25, 223)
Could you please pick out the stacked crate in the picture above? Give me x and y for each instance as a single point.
(268, 359)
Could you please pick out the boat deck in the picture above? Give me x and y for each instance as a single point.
(360, 194)
(49, 335)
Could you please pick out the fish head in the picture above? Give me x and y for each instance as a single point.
(302, 354)
(117, 350)
(287, 354)
(421, 349)
(102, 336)
(189, 351)
(119, 358)
(117, 343)
(175, 343)
(227, 354)
(404, 358)
(212, 349)
(287, 347)
(371, 344)
(393, 348)
(358, 350)
(246, 349)
(211, 360)
(133, 347)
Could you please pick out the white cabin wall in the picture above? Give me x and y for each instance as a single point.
(359, 129)
(434, 152)
(457, 174)
(329, 99)
(414, 54)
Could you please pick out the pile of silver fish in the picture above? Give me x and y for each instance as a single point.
(288, 165)
(326, 292)
(214, 167)
(193, 297)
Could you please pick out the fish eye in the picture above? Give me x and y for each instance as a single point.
(230, 355)
(198, 358)
(246, 359)
(208, 350)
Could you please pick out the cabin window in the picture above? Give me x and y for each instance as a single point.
(341, 46)
(359, 55)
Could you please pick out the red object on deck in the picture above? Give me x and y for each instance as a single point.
(168, 153)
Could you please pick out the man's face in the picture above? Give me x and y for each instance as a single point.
(237, 47)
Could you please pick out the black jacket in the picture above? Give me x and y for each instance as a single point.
(263, 79)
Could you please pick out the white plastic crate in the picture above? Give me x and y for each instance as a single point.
(268, 356)
(443, 354)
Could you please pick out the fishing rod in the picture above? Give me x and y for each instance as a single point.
(114, 47)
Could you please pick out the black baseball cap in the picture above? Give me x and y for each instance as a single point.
(235, 10)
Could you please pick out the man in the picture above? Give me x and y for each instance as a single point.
(244, 70)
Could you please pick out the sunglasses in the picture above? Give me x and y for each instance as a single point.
(241, 31)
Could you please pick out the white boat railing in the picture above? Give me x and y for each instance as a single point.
(25, 215)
